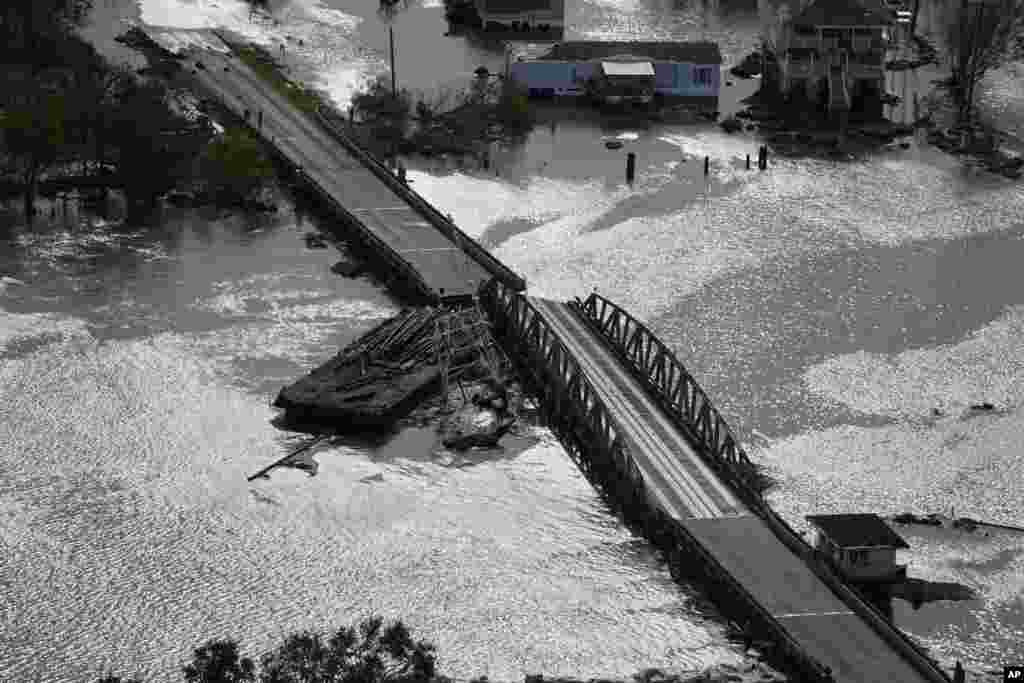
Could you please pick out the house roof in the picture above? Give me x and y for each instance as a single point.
(627, 68)
(587, 50)
(857, 531)
(843, 13)
(510, 6)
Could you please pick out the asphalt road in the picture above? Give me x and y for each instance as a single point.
(441, 263)
(685, 488)
(682, 482)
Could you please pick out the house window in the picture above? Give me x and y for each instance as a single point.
(702, 76)
(859, 557)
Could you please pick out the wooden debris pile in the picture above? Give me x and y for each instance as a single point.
(384, 374)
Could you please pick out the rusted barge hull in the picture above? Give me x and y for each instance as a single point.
(374, 405)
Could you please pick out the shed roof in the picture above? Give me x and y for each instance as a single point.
(586, 50)
(857, 531)
(627, 68)
(843, 13)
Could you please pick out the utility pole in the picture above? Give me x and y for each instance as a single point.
(391, 35)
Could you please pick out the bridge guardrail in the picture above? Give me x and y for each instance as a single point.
(809, 668)
(635, 343)
(440, 221)
(666, 375)
(522, 323)
(394, 259)
(517, 321)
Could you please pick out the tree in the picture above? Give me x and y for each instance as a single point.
(371, 654)
(236, 165)
(978, 36)
(33, 133)
(218, 661)
(155, 147)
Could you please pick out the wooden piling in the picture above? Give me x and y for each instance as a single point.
(707, 165)
(630, 167)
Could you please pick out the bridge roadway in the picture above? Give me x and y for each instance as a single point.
(682, 485)
(442, 264)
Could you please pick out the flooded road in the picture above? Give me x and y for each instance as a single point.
(826, 307)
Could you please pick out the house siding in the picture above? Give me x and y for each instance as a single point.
(676, 79)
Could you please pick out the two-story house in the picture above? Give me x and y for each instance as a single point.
(832, 57)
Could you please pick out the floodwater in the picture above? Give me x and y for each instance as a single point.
(826, 307)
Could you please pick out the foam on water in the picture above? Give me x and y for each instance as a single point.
(153, 514)
(476, 203)
(189, 14)
(1002, 93)
(798, 207)
(339, 65)
(987, 366)
(962, 460)
(16, 327)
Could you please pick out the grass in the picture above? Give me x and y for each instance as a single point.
(260, 61)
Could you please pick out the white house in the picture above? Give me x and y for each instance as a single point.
(861, 546)
(687, 72)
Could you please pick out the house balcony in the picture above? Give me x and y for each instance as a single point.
(826, 44)
(865, 68)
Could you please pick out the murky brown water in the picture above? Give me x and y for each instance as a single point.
(826, 307)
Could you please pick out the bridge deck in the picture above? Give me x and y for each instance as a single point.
(742, 543)
(683, 483)
(441, 263)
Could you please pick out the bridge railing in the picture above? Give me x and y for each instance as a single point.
(397, 263)
(524, 332)
(394, 259)
(470, 246)
(658, 367)
(652, 360)
(517, 323)
(789, 653)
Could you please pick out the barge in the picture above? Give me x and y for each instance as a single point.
(382, 376)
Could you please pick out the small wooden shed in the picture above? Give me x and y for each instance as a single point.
(862, 546)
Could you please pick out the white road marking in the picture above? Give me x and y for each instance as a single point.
(811, 614)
